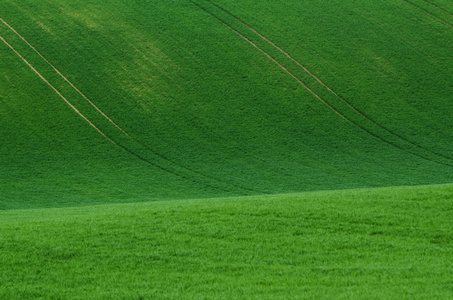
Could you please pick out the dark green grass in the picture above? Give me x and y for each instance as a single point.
(392, 243)
(210, 114)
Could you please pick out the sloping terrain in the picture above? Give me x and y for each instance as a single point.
(126, 101)
(267, 117)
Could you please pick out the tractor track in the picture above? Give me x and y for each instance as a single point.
(64, 77)
(58, 92)
(326, 86)
(322, 83)
(438, 7)
(336, 111)
(87, 120)
(430, 13)
(198, 174)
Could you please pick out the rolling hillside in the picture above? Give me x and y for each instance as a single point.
(226, 149)
(127, 101)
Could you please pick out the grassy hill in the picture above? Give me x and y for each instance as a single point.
(226, 149)
(221, 98)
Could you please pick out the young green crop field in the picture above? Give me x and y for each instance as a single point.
(392, 243)
(226, 149)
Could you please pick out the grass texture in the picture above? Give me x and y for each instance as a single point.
(220, 98)
(388, 243)
(226, 149)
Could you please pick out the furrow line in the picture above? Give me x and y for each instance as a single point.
(197, 172)
(270, 57)
(280, 49)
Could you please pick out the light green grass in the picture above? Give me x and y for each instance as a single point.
(392, 243)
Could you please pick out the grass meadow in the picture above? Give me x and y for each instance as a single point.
(226, 149)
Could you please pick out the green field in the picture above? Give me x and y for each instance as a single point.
(332, 118)
(392, 243)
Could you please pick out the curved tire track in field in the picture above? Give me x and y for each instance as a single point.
(57, 91)
(64, 77)
(430, 13)
(287, 71)
(91, 123)
(439, 7)
(199, 174)
(328, 88)
(333, 109)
